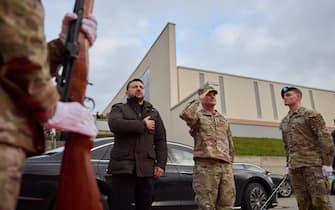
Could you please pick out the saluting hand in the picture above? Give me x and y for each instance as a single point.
(203, 95)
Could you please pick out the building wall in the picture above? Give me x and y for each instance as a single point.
(253, 107)
(254, 99)
(325, 101)
(160, 65)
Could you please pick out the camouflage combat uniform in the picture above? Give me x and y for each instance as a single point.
(27, 94)
(308, 146)
(213, 179)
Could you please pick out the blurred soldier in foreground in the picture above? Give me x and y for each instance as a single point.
(28, 98)
(213, 179)
(309, 150)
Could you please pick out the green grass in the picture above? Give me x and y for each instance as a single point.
(245, 146)
(258, 146)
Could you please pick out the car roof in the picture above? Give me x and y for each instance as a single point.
(97, 142)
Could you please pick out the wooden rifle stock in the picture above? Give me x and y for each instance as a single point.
(77, 188)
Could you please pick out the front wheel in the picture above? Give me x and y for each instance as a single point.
(285, 190)
(254, 197)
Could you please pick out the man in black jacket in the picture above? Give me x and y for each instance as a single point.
(139, 154)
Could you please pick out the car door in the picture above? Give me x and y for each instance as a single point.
(181, 156)
(100, 158)
(167, 190)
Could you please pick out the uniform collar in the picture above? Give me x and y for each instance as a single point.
(209, 113)
(300, 109)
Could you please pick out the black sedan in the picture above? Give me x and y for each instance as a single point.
(172, 191)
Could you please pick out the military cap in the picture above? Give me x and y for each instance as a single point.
(204, 89)
(286, 89)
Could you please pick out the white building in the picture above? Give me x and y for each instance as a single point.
(253, 107)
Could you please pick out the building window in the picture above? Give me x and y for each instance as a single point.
(274, 104)
(201, 79)
(312, 99)
(258, 100)
(222, 95)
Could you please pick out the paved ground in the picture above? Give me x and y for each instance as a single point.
(291, 204)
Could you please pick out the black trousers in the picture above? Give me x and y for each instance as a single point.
(127, 189)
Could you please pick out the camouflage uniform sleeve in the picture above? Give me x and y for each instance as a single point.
(231, 145)
(189, 114)
(285, 144)
(23, 53)
(324, 138)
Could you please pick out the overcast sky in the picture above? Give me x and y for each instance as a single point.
(290, 41)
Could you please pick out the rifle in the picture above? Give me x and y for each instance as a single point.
(77, 188)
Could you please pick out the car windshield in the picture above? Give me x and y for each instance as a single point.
(179, 154)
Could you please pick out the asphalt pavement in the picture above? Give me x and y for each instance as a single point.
(291, 204)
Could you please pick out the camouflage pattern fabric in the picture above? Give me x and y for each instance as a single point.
(213, 184)
(213, 180)
(11, 165)
(306, 138)
(308, 146)
(27, 93)
(211, 133)
(311, 188)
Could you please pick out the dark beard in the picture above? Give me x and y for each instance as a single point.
(135, 99)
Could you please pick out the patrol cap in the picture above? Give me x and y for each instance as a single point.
(287, 89)
(204, 89)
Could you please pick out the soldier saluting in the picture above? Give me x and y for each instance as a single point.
(213, 179)
(309, 151)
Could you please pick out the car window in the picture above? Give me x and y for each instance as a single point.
(108, 152)
(180, 156)
(254, 168)
(238, 166)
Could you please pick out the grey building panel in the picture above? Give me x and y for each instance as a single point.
(201, 79)
(312, 99)
(274, 103)
(222, 95)
(146, 80)
(258, 100)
